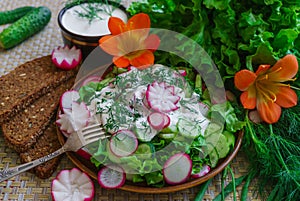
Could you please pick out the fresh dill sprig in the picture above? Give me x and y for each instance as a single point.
(275, 155)
(93, 7)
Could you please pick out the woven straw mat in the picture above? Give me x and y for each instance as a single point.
(28, 187)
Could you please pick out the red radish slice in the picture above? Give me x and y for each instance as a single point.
(161, 97)
(205, 169)
(177, 169)
(182, 72)
(123, 143)
(72, 185)
(84, 154)
(65, 123)
(74, 119)
(67, 99)
(111, 176)
(80, 115)
(156, 120)
(167, 121)
(66, 58)
(90, 79)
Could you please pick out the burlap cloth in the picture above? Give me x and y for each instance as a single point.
(28, 187)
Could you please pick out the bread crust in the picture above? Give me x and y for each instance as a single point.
(22, 130)
(26, 83)
(45, 144)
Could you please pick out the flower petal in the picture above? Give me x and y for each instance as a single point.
(269, 112)
(247, 101)
(116, 25)
(243, 79)
(144, 60)
(138, 21)
(121, 62)
(152, 42)
(262, 69)
(110, 44)
(286, 97)
(284, 69)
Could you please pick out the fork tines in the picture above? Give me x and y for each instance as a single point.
(94, 133)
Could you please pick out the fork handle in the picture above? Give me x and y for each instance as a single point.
(10, 172)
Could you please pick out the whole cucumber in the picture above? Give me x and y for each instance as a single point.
(11, 16)
(25, 27)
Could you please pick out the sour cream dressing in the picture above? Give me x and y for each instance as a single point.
(96, 27)
(122, 106)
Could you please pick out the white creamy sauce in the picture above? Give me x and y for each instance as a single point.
(122, 106)
(97, 27)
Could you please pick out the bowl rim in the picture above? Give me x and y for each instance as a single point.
(90, 38)
(86, 166)
(81, 163)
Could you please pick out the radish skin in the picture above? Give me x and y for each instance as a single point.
(177, 169)
(72, 185)
(111, 177)
(205, 170)
(161, 97)
(156, 120)
(90, 79)
(66, 58)
(67, 98)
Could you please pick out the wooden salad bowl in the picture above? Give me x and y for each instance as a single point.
(86, 166)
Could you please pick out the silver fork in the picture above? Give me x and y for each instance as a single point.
(74, 142)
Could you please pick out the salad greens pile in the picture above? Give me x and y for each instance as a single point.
(240, 34)
(147, 162)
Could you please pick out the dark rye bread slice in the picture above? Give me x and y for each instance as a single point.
(20, 87)
(22, 130)
(47, 143)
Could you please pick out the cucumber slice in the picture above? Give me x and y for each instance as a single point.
(167, 136)
(143, 131)
(145, 150)
(189, 129)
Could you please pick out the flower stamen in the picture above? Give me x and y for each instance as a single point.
(268, 94)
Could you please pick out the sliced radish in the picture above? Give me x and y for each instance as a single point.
(80, 115)
(65, 122)
(90, 79)
(182, 72)
(156, 120)
(72, 185)
(161, 97)
(84, 153)
(66, 58)
(67, 98)
(167, 121)
(74, 119)
(177, 169)
(205, 169)
(123, 143)
(111, 176)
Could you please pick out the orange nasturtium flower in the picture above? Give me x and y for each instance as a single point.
(131, 43)
(264, 88)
